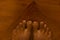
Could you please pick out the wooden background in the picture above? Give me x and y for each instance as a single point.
(13, 11)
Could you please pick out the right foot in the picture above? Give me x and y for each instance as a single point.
(42, 33)
(22, 33)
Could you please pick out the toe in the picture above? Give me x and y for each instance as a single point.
(42, 29)
(45, 26)
(41, 25)
(14, 31)
(47, 31)
(35, 26)
(20, 26)
(24, 24)
(14, 34)
(29, 25)
(49, 35)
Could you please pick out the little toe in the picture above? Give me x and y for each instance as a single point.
(14, 31)
(49, 35)
(47, 31)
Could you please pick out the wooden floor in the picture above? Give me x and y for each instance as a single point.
(13, 12)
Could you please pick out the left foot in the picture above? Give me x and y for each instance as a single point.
(42, 33)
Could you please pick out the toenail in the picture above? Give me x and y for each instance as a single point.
(20, 23)
(41, 22)
(45, 25)
(35, 22)
(47, 28)
(29, 22)
(24, 21)
(25, 30)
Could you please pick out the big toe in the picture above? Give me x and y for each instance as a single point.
(35, 26)
(29, 25)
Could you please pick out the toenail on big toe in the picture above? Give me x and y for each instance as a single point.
(29, 25)
(41, 25)
(35, 26)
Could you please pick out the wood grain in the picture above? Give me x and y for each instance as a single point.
(46, 10)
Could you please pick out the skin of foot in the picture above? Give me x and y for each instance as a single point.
(42, 33)
(22, 31)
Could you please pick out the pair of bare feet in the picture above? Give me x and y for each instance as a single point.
(24, 29)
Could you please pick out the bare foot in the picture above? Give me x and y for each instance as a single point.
(22, 31)
(42, 33)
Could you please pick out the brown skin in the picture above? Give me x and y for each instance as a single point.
(9, 17)
(42, 33)
(22, 33)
